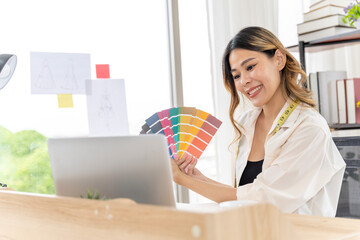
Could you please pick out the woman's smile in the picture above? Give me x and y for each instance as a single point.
(252, 92)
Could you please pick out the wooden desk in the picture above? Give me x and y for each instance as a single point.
(322, 228)
(35, 216)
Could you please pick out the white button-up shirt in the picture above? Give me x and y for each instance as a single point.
(302, 170)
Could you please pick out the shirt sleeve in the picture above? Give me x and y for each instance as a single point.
(301, 169)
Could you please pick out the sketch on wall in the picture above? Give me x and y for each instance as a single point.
(59, 73)
(70, 81)
(107, 110)
(45, 79)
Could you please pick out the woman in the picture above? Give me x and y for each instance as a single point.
(285, 152)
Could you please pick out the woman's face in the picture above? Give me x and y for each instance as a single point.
(256, 75)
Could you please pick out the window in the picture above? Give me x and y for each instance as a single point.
(196, 74)
(130, 36)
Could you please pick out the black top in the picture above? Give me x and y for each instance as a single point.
(251, 170)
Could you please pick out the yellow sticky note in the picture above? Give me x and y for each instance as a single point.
(65, 100)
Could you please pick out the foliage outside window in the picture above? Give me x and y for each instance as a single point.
(24, 155)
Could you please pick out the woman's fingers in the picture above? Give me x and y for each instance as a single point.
(176, 172)
(178, 160)
(192, 164)
(185, 163)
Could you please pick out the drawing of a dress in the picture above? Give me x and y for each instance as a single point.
(45, 78)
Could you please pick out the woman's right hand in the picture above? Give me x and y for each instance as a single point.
(187, 165)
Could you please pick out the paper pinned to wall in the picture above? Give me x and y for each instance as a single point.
(107, 111)
(59, 73)
(65, 100)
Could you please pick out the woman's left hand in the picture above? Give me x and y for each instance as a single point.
(176, 172)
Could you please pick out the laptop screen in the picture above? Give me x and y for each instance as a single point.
(135, 167)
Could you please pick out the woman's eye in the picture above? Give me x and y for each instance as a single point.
(251, 67)
(236, 77)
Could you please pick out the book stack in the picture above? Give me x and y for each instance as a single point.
(324, 19)
(323, 86)
(348, 101)
(337, 97)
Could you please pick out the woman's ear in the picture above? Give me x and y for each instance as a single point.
(280, 58)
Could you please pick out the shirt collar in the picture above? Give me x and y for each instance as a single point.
(290, 120)
(249, 125)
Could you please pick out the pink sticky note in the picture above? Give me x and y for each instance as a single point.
(102, 71)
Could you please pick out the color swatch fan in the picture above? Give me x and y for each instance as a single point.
(188, 130)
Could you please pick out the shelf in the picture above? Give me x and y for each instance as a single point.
(344, 126)
(353, 163)
(346, 133)
(327, 43)
(347, 141)
(344, 37)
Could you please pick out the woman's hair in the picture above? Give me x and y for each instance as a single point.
(261, 40)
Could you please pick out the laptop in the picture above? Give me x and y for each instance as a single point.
(135, 167)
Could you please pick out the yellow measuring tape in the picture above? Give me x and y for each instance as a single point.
(280, 122)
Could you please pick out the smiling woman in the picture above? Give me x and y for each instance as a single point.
(285, 152)
(264, 68)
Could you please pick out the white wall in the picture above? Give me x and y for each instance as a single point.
(226, 18)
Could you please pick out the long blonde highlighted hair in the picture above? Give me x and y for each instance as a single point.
(262, 40)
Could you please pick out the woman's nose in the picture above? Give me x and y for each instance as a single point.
(245, 79)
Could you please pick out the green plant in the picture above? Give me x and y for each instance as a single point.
(352, 13)
(93, 195)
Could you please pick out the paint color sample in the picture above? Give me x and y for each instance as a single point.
(207, 132)
(204, 136)
(156, 128)
(199, 144)
(165, 122)
(102, 71)
(145, 129)
(155, 124)
(214, 121)
(188, 130)
(175, 121)
(65, 100)
(186, 115)
(166, 129)
(195, 126)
